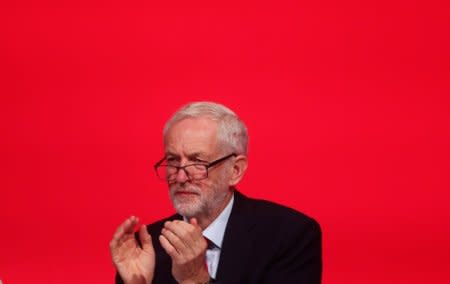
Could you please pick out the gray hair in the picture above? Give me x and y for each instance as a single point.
(231, 131)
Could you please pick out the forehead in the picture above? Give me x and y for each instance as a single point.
(192, 136)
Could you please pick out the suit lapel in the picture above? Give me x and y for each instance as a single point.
(237, 243)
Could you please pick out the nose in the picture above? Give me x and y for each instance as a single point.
(182, 176)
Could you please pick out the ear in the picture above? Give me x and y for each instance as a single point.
(238, 170)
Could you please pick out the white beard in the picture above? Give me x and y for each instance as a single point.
(201, 203)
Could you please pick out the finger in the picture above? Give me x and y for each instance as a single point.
(203, 244)
(194, 222)
(176, 242)
(185, 231)
(167, 246)
(127, 226)
(124, 229)
(146, 239)
(199, 238)
(190, 235)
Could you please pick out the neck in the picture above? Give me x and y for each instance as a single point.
(205, 220)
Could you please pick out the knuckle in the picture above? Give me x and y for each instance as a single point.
(191, 229)
(183, 234)
(170, 251)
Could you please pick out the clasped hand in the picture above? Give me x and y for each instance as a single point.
(182, 241)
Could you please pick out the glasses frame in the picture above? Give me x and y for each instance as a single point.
(207, 166)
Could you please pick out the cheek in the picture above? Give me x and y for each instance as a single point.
(208, 187)
(205, 186)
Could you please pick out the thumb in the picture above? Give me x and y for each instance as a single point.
(146, 239)
(194, 222)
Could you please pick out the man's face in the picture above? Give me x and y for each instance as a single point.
(194, 140)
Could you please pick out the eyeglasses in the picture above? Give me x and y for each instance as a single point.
(197, 171)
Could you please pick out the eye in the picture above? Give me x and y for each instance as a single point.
(199, 161)
(172, 160)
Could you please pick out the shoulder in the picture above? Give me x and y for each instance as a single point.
(285, 240)
(276, 217)
(284, 230)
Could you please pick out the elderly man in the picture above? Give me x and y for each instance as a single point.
(218, 235)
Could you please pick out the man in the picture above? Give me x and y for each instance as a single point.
(218, 235)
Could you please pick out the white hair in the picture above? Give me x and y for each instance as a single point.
(231, 131)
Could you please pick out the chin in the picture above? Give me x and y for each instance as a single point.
(187, 209)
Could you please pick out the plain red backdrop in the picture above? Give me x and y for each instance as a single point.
(347, 104)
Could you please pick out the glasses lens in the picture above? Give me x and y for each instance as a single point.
(193, 172)
(197, 171)
(164, 172)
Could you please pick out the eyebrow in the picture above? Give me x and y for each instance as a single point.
(198, 156)
(193, 156)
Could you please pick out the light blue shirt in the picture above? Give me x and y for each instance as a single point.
(215, 232)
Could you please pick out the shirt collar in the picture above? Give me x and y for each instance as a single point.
(216, 230)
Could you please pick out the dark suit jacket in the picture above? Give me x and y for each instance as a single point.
(264, 243)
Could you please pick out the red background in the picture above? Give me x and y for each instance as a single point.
(347, 104)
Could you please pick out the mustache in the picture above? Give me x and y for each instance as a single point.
(184, 188)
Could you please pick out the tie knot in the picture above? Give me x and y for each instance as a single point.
(211, 245)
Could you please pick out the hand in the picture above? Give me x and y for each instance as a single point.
(135, 265)
(186, 246)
